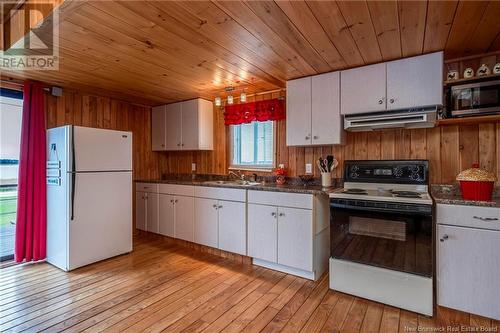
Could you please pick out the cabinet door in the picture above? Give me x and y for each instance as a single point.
(166, 215)
(158, 122)
(184, 218)
(327, 125)
(190, 125)
(232, 227)
(263, 232)
(152, 224)
(468, 270)
(173, 126)
(363, 89)
(415, 82)
(206, 222)
(295, 235)
(298, 112)
(140, 210)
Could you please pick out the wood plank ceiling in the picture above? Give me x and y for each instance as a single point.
(162, 51)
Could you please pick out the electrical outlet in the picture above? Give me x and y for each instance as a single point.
(309, 168)
(193, 167)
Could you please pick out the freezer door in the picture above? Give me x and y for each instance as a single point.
(102, 224)
(98, 149)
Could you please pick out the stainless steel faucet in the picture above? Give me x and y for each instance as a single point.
(238, 175)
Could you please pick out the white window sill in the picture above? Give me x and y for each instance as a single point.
(251, 168)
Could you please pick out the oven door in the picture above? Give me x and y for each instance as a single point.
(389, 235)
(475, 98)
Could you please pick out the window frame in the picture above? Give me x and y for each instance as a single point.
(252, 167)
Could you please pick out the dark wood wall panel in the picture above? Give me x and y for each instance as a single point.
(449, 149)
(81, 109)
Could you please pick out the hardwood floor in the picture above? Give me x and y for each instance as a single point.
(162, 286)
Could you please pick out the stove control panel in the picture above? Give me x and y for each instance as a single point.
(395, 207)
(389, 171)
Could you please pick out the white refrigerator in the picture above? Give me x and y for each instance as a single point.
(89, 195)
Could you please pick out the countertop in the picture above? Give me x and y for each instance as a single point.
(266, 186)
(450, 195)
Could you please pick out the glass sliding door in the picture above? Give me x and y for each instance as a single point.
(11, 104)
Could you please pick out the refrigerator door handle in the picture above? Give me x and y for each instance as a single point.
(73, 173)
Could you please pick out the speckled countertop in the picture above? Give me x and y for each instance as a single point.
(450, 194)
(292, 185)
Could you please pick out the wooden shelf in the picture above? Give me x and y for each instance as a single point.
(472, 79)
(468, 120)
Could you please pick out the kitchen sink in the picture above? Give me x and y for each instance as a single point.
(231, 182)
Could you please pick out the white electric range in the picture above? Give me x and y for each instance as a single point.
(382, 230)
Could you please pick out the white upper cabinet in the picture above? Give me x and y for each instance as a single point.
(400, 84)
(298, 112)
(415, 82)
(186, 125)
(173, 129)
(363, 89)
(313, 111)
(327, 124)
(158, 123)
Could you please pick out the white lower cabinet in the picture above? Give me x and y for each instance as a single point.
(152, 212)
(263, 232)
(140, 210)
(233, 227)
(295, 238)
(468, 268)
(146, 208)
(184, 218)
(206, 222)
(166, 214)
(292, 235)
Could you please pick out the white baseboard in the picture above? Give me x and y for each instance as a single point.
(285, 269)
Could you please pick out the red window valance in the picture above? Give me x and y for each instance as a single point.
(271, 109)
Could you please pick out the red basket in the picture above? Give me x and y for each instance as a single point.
(477, 190)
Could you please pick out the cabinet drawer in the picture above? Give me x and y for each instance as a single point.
(186, 190)
(281, 199)
(469, 216)
(230, 194)
(146, 187)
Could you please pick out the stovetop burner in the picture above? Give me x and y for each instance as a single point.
(355, 191)
(406, 194)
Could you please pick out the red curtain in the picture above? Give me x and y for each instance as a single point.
(271, 109)
(31, 221)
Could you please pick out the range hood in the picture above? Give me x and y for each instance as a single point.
(412, 118)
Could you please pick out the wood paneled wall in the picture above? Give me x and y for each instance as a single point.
(103, 112)
(449, 149)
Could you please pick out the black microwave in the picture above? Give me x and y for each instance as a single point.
(472, 99)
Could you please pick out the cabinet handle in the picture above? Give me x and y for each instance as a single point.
(178, 145)
(176, 201)
(220, 206)
(172, 201)
(182, 144)
(307, 137)
(214, 205)
(391, 100)
(380, 101)
(273, 214)
(281, 214)
(445, 237)
(315, 137)
(163, 145)
(485, 218)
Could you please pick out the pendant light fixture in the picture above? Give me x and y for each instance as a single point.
(218, 101)
(230, 99)
(243, 97)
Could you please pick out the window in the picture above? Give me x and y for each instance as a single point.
(11, 104)
(253, 145)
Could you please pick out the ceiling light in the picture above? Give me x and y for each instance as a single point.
(230, 99)
(243, 97)
(218, 101)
